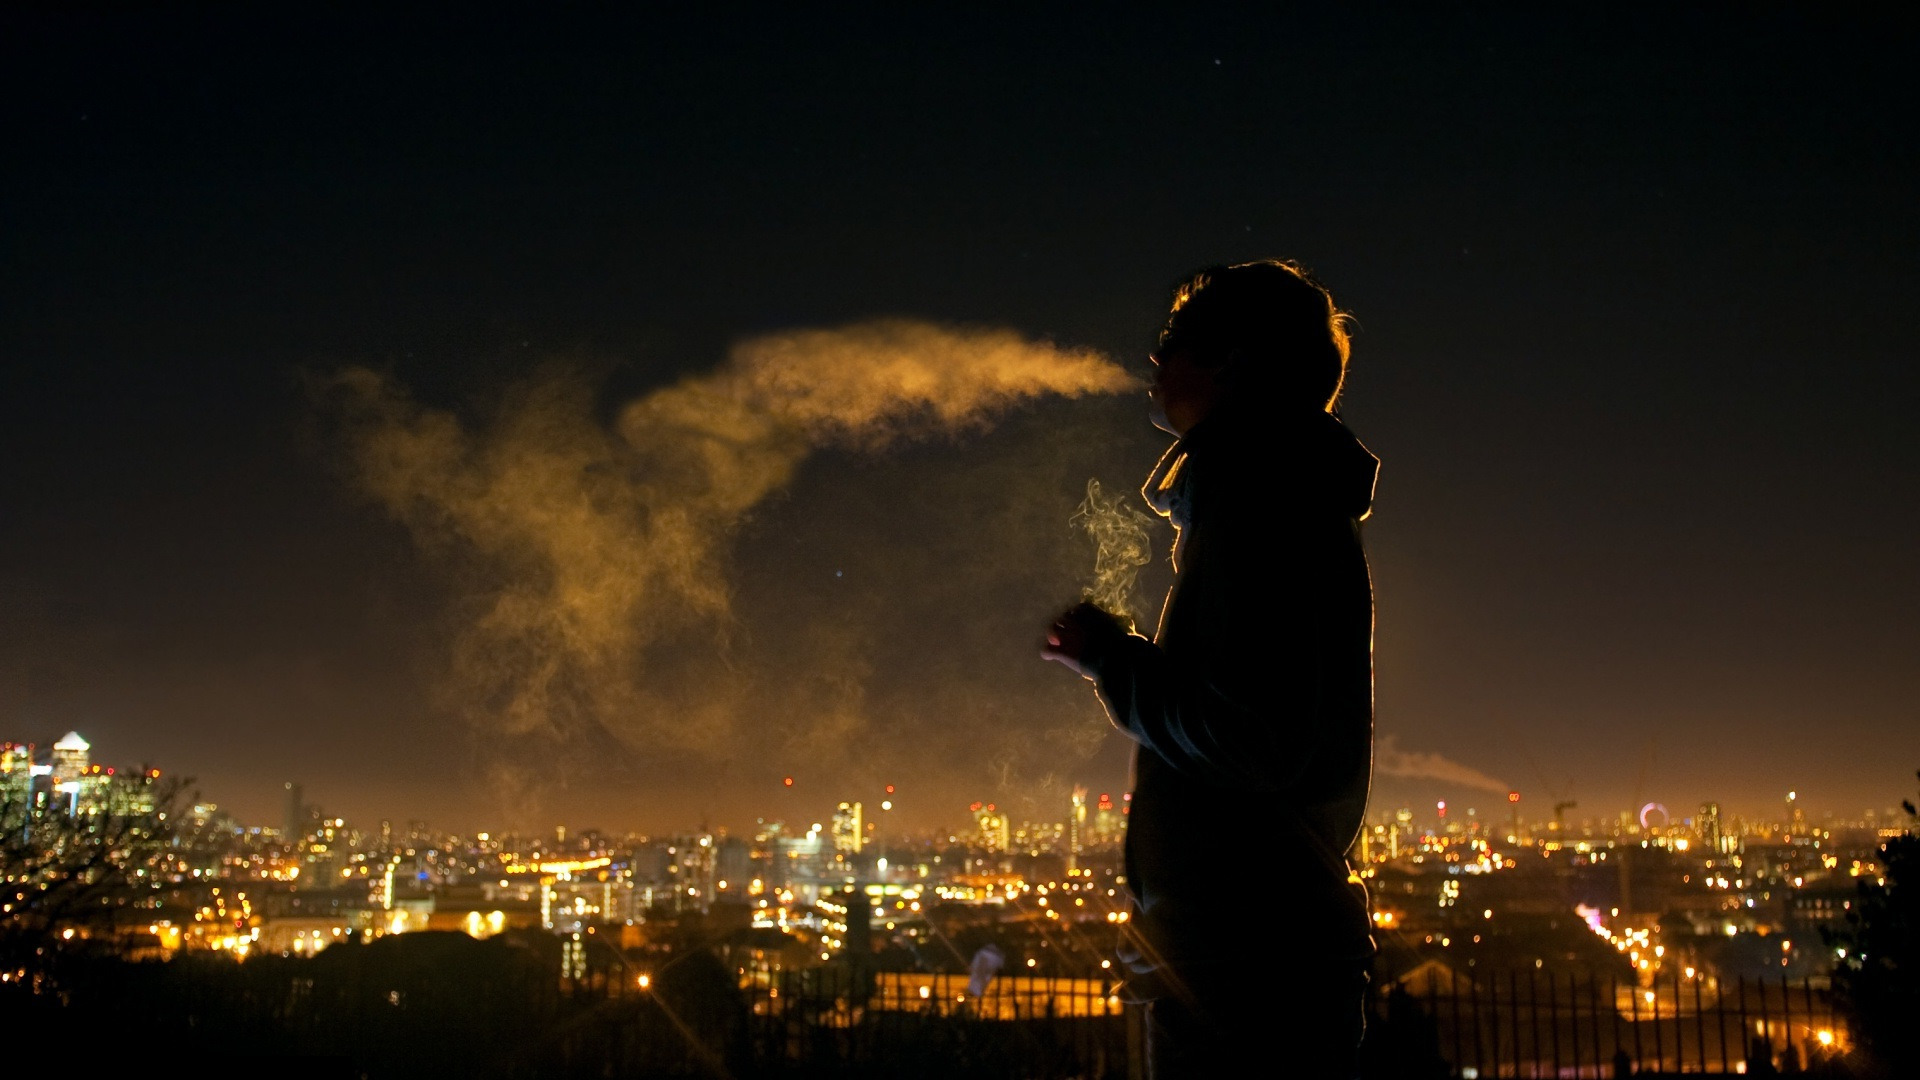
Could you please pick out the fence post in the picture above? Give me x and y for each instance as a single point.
(1807, 986)
(1659, 1040)
(1613, 1011)
(1513, 1021)
(1786, 1015)
(1700, 1020)
(1479, 1051)
(1741, 985)
(1633, 1003)
(1573, 1019)
(1593, 1002)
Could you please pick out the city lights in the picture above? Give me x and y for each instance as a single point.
(1455, 887)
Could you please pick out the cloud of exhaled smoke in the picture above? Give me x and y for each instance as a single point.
(1122, 545)
(602, 546)
(1390, 760)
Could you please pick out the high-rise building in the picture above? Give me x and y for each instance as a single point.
(16, 786)
(72, 758)
(16, 775)
(996, 832)
(1109, 822)
(1714, 833)
(733, 863)
(295, 822)
(1076, 828)
(849, 828)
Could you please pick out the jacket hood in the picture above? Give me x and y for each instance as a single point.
(1318, 463)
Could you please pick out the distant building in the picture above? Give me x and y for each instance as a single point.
(16, 786)
(1711, 829)
(849, 828)
(995, 830)
(733, 866)
(16, 775)
(72, 758)
(1076, 828)
(1109, 823)
(294, 820)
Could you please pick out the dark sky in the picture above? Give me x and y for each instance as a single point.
(1633, 299)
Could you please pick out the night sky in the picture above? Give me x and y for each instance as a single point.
(1633, 300)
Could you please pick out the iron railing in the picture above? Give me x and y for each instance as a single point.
(1513, 1024)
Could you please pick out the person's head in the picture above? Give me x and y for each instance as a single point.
(1260, 333)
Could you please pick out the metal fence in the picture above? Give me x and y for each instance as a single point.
(1519, 1024)
(1540, 1024)
(834, 1019)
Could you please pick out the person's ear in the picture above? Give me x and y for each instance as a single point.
(1229, 371)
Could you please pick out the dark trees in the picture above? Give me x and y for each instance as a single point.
(1877, 978)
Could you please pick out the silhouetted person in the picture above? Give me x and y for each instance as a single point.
(1252, 707)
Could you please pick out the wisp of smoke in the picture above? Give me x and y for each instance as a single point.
(1122, 545)
(1390, 760)
(596, 545)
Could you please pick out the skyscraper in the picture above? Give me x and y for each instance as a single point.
(296, 812)
(72, 757)
(16, 774)
(849, 828)
(1076, 828)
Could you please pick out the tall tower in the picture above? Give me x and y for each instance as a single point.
(1076, 828)
(996, 833)
(849, 828)
(72, 756)
(16, 774)
(296, 811)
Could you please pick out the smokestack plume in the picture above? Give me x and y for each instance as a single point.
(1390, 760)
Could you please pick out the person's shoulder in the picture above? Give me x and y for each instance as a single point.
(1290, 469)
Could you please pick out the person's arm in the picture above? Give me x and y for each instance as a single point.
(1221, 721)
(1197, 726)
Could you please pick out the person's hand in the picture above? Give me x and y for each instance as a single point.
(1070, 638)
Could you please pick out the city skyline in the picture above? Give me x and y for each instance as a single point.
(895, 808)
(1632, 348)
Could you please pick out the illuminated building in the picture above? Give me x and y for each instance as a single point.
(849, 829)
(17, 773)
(1109, 822)
(1076, 828)
(16, 776)
(690, 880)
(995, 831)
(733, 864)
(72, 757)
(1713, 833)
(321, 854)
(798, 859)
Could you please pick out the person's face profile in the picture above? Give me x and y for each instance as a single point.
(1181, 391)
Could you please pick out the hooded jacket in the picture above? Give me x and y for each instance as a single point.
(1252, 707)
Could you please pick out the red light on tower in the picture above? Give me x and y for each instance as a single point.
(889, 789)
(788, 781)
(1513, 796)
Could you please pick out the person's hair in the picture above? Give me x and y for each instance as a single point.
(1272, 321)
